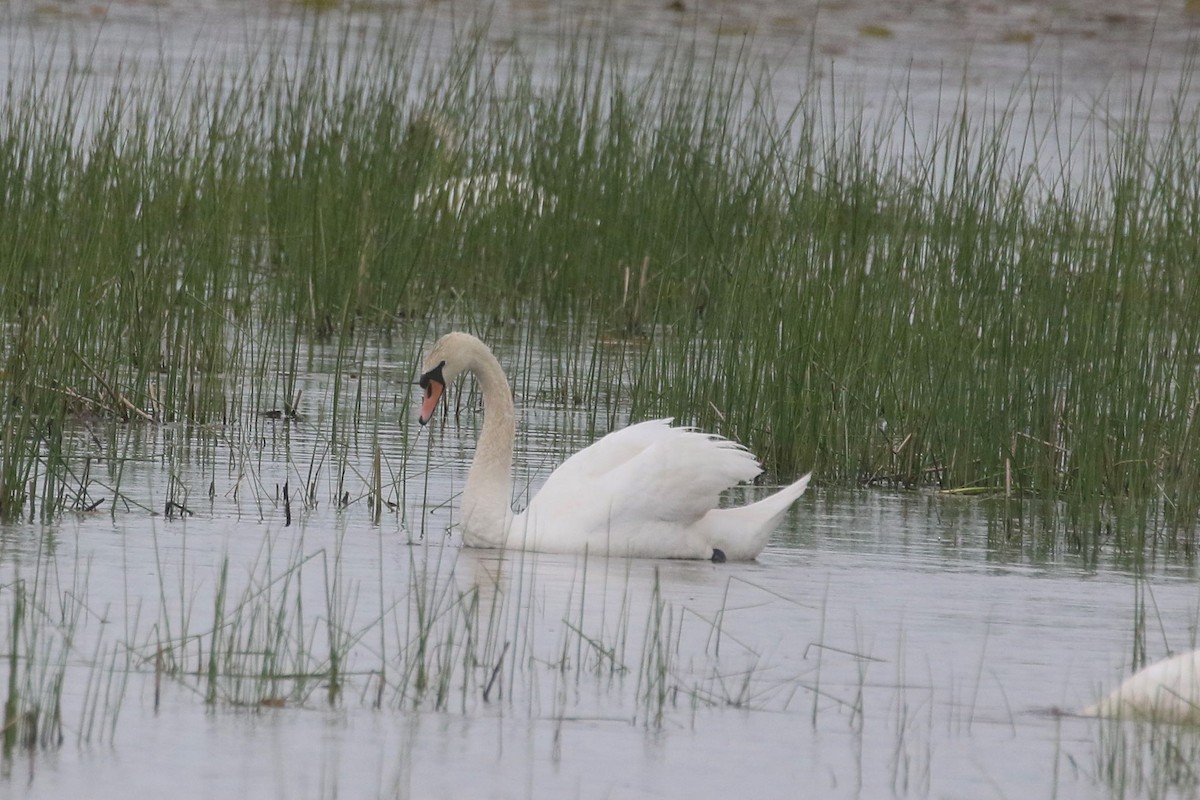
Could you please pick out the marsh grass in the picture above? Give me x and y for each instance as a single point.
(295, 628)
(32, 703)
(972, 310)
(261, 647)
(1145, 759)
(52, 688)
(955, 318)
(281, 625)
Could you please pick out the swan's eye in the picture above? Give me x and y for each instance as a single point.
(434, 374)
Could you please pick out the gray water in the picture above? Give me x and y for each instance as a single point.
(1069, 73)
(884, 644)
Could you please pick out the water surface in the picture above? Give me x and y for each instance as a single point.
(881, 645)
(884, 644)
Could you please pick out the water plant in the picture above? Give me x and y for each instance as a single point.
(32, 710)
(971, 309)
(50, 689)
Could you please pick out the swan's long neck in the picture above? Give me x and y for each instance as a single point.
(487, 498)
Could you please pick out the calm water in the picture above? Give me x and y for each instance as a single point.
(1064, 70)
(880, 646)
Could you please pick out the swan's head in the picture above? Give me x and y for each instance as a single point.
(452, 354)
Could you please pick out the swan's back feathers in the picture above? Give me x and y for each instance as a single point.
(1165, 691)
(653, 490)
(681, 471)
(615, 449)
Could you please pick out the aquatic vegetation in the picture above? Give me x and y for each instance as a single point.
(309, 626)
(439, 641)
(41, 665)
(32, 702)
(1147, 759)
(972, 311)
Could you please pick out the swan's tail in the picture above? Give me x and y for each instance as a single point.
(742, 532)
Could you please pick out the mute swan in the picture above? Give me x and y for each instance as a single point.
(645, 491)
(434, 146)
(464, 195)
(1165, 691)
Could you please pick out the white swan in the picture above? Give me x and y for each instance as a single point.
(464, 195)
(646, 491)
(1165, 691)
(432, 140)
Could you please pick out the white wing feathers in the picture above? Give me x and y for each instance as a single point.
(639, 490)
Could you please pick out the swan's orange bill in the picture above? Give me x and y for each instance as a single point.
(434, 384)
(433, 393)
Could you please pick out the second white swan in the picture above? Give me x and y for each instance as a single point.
(649, 490)
(1165, 691)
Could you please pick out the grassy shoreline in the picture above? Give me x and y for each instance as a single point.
(951, 316)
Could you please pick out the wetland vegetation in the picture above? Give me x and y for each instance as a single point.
(945, 313)
(988, 310)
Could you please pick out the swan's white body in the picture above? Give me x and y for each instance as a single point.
(459, 196)
(1165, 691)
(646, 491)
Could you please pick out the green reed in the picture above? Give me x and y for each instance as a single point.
(294, 623)
(959, 320)
(959, 311)
(1145, 759)
(36, 670)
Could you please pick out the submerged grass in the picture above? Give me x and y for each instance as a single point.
(294, 629)
(50, 689)
(277, 625)
(32, 703)
(961, 311)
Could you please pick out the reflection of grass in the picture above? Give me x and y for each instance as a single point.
(40, 665)
(295, 626)
(1145, 759)
(441, 644)
(32, 715)
(875, 31)
(955, 315)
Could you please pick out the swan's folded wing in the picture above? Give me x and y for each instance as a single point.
(647, 473)
(613, 451)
